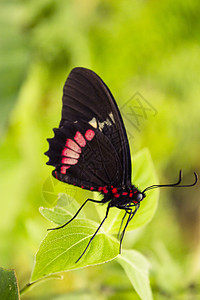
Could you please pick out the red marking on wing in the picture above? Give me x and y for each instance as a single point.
(92, 188)
(89, 134)
(134, 201)
(63, 169)
(72, 145)
(69, 161)
(70, 153)
(80, 139)
(131, 195)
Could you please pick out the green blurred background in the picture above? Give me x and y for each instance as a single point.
(150, 47)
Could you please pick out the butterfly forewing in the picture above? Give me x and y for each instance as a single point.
(86, 97)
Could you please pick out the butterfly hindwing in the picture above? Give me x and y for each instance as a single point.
(83, 156)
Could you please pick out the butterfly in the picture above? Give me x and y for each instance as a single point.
(90, 148)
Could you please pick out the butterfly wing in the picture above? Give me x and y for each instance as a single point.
(83, 156)
(91, 127)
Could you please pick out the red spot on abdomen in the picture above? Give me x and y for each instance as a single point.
(105, 191)
(116, 195)
(114, 190)
(80, 139)
(89, 134)
(124, 193)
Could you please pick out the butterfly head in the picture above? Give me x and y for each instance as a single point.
(138, 196)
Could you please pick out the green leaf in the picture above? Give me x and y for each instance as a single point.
(8, 285)
(64, 210)
(143, 175)
(61, 248)
(136, 267)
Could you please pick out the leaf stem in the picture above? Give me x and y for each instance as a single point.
(30, 284)
(26, 288)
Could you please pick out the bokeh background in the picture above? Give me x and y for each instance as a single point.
(146, 47)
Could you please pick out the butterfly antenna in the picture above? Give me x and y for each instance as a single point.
(177, 184)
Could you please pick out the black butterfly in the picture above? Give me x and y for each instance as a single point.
(90, 148)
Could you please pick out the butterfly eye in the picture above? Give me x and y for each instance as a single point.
(139, 197)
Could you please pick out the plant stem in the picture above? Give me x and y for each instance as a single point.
(30, 284)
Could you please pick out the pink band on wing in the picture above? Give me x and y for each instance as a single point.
(89, 134)
(70, 153)
(63, 169)
(69, 161)
(80, 139)
(72, 145)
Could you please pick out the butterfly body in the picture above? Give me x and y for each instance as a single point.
(121, 196)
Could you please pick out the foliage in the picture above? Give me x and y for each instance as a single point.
(61, 248)
(136, 268)
(149, 47)
(8, 285)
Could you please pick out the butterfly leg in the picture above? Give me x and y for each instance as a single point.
(128, 211)
(123, 232)
(136, 209)
(91, 200)
(130, 217)
(118, 235)
(95, 233)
